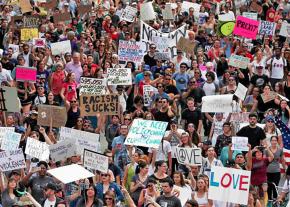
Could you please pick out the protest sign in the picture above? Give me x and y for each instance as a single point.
(12, 160)
(250, 15)
(58, 48)
(162, 56)
(128, 14)
(185, 45)
(146, 133)
(186, 5)
(241, 91)
(25, 6)
(190, 156)
(131, 51)
(272, 95)
(167, 12)
(267, 28)
(38, 42)
(12, 102)
(161, 43)
(10, 141)
(4, 130)
(225, 28)
(95, 161)
(92, 86)
(119, 76)
(49, 115)
(240, 143)
(31, 21)
(28, 33)
(147, 11)
(285, 29)
(63, 17)
(226, 17)
(282, 97)
(104, 104)
(25, 73)
(240, 116)
(217, 103)
(37, 149)
(147, 94)
(246, 27)
(229, 185)
(70, 173)
(62, 150)
(239, 61)
(15, 48)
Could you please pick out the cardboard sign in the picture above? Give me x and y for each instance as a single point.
(146, 133)
(25, 74)
(225, 28)
(239, 61)
(190, 156)
(31, 21)
(250, 15)
(25, 6)
(131, 51)
(186, 5)
(96, 161)
(70, 173)
(272, 96)
(104, 104)
(161, 43)
(12, 102)
(62, 150)
(147, 94)
(119, 76)
(217, 103)
(10, 141)
(63, 17)
(167, 12)
(246, 27)
(92, 86)
(241, 91)
(285, 29)
(185, 45)
(147, 11)
(58, 48)
(240, 143)
(12, 160)
(229, 185)
(128, 14)
(267, 28)
(49, 115)
(29, 34)
(37, 149)
(38, 42)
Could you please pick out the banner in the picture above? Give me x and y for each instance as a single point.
(12, 160)
(250, 15)
(225, 28)
(217, 103)
(185, 45)
(119, 76)
(285, 29)
(147, 94)
(128, 14)
(10, 141)
(28, 34)
(96, 161)
(12, 102)
(147, 11)
(25, 73)
(240, 143)
(229, 185)
(246, 27)
(58, 48)
(267, 28)
(92, 86)
(147, 33)
(131, 51)
(239, 61)
(37, 149)
(161, 43)
(190, 156)
(104, 104)
(48, 115)
(62, 150)
(146, 133)
(241, 91)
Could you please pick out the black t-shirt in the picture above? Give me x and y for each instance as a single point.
(149, 60)
(165, 201)
(259, 81)
(197, 94)
(171, 89)
(255, 135)
(162, 116)
(8, 65)
(191, 117)
(116, 170)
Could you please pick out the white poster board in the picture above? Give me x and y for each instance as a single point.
(240, 143)
(128, 14)
(12, 101)
(96, 161)
(147, 93)
(241, 91)
(147, 11)
(58, 48)
(12, 160)
(92, 86)
(4, 130)
(190, 156)
(10, 141)
(250, 15)
(167, 12)
(239, 61)
(162, 43)
(217, 103)
(267, 28)
(186, 5)
(37, 149)
(119, 76)
(131, 51)
(285, 29)
(62, 150)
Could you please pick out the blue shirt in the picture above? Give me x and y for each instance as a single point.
(182, 80)
(113, 187)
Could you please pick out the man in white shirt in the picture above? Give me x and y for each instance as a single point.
(5, 76)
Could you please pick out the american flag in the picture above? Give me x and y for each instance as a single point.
(285, 137)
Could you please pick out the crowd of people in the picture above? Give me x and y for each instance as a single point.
(141, 176)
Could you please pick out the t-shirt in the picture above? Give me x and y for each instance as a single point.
(259, 171)
(5, 76)
(274, 166)
(48, 203)
(277, 67)
(165, 201)
(162, 151)
(255, 135)
(191, 117)
(286, 188)
(181, 81)
(259, 81)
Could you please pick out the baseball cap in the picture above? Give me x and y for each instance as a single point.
(51, 186)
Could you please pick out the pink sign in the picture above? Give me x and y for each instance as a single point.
(25, 74)
(246, 27)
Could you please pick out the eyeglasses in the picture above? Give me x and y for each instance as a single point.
(168, 79)
(159, 86)
(127, 119)
(102, 45)
(109, 199)
(104, 175)
(152, 47)
(73, 101)
(197, 72)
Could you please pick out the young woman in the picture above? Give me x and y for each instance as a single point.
(151, 191)
(69, 89)
(79, 124)
(89, 198)
(231, 87)
(160, 173)
(180, 185)
(201, 194)
(284, 112)
(193, 135)
(251, 99)
(130, 170)
(271, 130)
(73, 112)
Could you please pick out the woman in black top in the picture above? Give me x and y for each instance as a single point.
(73, 113)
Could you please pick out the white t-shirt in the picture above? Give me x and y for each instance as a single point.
(174, 142)
(262, 63)
(209, 88)
(286, 188)
(277, 67)
(48, 203)
(5, 75)
(162, 152)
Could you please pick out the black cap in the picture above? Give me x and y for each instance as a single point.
(51, 186)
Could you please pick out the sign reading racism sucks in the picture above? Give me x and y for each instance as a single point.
(119, 76)
(92, 86)
(62, 150)
(10, 141)
(146, 133)
(12, 160)
(229, 185)
(95, 161)
(246, 27)
(128, 14)
(190, 156)
(267, 28)
(49, 115)
(104, 104)
(239, 61)
(131, 51)
(37, 149)
(25, 74)
(217, 103)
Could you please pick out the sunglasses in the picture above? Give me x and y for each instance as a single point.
(192, 82)
(167, 79)
(270, 121)
(86, 125)
(73, 101)
(146, 75)
(109, 199)
(104, 175)
(231, 79)
(159, 86)
(152, 47)
(127, 119)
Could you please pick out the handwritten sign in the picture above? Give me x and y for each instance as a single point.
(12, 160)
(161, 43)
(63, 17)
(25, 74)
(49, 115)
(104, 104)
(147, 93)
(240, 143)
(185, 45)
(239, 61)
(62, 47)
(96, 161)
(217, 103)
(190, 156)
(4, 130)
(229, 185)
(162, 56)
(131, 51)
(28, 33)
(92, 86)
(241, 91)
(62, 150)
(15, 48)
(250, 15)
(31, 21)
(119, 76)
(246, 27)
(38, 42)
(167, 12)
(147, 11)
(37, 149)
(83, 9)
(11, 141)
(146, 133)
(285, 29)
(267, 28)
(186, 5)
(272, 95)
(129, 14)
(12, 101)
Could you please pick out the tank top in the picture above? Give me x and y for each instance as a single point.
(131, 173)
(203, 201)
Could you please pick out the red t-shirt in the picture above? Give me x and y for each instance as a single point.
(70, 90)
(259, 171)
